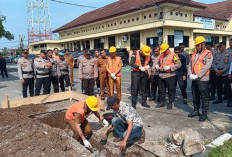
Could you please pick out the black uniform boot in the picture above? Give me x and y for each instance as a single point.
(203, 117)
(160, 105)
(217, 102)
(169, 106)
(211, 98)
(134, 105)
(152, 98)
(144, 104)
(194, 113)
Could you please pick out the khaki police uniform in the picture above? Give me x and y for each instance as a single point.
(79, 59)
(55, 74)
(42, 76)
(26, 73)
(222, 62)
(64, 71)
(97, 80)
(88, 72)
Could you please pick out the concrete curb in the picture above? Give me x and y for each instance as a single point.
(217, 142)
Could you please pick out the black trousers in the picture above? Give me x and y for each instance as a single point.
(149, 87)
(28, 82)
(98, 81)
(169, 83)
(182, 86)
(45, 82)
(139, 82)
(88, 86)
(220, 82)
(200, 91)
(212, 81)
(55, 83)
(4, 71)
(65, 78)
(154, 84)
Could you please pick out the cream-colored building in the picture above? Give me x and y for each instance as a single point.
(131, 24)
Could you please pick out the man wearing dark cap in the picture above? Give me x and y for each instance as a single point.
(26, 73)
(43, 68)
(221, 65)
(88, 73)
(128, 125)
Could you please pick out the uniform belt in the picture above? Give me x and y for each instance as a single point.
(163, 72)
(27, 72)
(65, 70)
(42, 74)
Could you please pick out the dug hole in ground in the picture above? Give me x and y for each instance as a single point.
(40, 130)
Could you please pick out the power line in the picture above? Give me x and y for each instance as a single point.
(79, 5)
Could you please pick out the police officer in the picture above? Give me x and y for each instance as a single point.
(181, 73)
(88, 73)
(79, 60)
(221, 65)
(56, 53)
(64, 70)
(230, 48)
(141, 63)
(155, 73)
(55, 71)
(43, 68)
(169, 62)
(200, 64)
(26, 73)
(212, 75)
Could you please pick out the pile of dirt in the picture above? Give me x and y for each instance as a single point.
(24, 136)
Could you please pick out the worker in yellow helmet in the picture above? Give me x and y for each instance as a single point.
(76, 118)
(114, 66)
(199, 69)
(169, 63)
(140, 63)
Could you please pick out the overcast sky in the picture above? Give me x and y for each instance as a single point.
(16, 14)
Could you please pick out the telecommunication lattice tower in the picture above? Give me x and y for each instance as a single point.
(38, 20)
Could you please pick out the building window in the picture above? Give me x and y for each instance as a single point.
(133, 20)
(181, 14)
(152, 42)
(98, 44)
(137, 18)
(171, 13)
(171, 41)
(96, 28)
(115, 23)
(124, 21)
(36, 46)
(224, 38)
(111, 24)
(43, 45)
(155, 14)
(111, 41)
(150, 16)
(161, 15)
(99, 27)
(93, 29)
(135, 41)
(108, 25)
(177, 13)
(186, 41)
(87, 44)
(128, 21)
(71, 45)
(102, 26)
(215, 40)
(120, 22)
(186, 15)
(145, 17)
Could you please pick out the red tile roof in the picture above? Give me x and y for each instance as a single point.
(122, 7)
(218, 11)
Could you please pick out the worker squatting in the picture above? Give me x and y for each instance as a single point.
(207, 67)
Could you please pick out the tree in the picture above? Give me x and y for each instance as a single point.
(3, 32)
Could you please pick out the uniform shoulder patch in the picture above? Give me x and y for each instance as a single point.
(176, 59)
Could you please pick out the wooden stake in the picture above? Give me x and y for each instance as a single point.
(70, 93)
(7, 105)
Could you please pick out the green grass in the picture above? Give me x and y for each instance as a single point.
(222, 151)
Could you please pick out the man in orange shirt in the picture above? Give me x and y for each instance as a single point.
(114, 66)
(76, 118)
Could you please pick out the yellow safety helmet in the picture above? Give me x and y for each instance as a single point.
(199, 40)
(92, 103)
(146, 50)
(164, 47)
(112, 49)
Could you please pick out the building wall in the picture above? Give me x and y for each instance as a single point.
(37, 50)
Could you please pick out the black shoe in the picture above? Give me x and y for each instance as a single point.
(145, 105)
(160, 105)
(203, 117)
(185, 101)
(194, 114)
(217, 102)
(169, 106)
(134, 106)
(211, 98)
(229, 104)
(158, 99)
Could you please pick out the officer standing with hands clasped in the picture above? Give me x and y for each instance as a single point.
(43, 68)
(141, 63)
(221, 65)
(55, 71)
(26, 73)
(169, 62)
(199, 74)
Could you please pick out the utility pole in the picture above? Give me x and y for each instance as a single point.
(21, 39)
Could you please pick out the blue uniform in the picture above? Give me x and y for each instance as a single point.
(180, 72)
